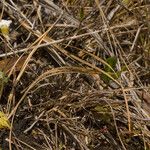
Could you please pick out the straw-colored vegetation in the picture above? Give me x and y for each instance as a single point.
(75, 75)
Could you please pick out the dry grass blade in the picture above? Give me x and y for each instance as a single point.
(37, 42)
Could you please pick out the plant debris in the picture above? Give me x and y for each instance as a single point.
(77, 75)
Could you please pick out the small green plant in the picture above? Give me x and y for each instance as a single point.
(112, 61)
(81, 14)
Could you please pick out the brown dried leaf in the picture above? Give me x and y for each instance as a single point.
(8, 63)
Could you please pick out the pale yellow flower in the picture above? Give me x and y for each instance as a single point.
(4, 27)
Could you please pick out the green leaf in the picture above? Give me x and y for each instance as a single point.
(100, 108)
(125, 2)
(4, 122)
(106, 79)
(112, 61)
(3, 77)
(81, 13)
